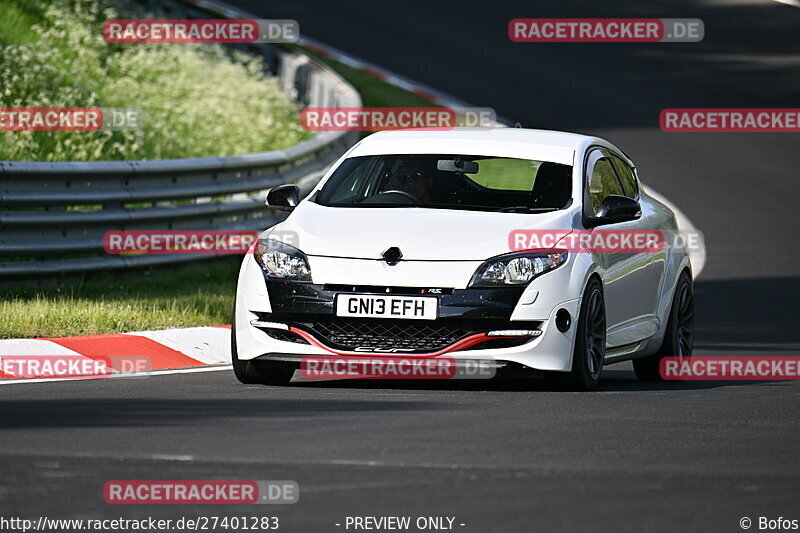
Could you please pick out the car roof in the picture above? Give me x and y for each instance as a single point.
(540, 145)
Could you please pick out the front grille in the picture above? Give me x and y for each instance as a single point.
(408, 335)
(387, 334)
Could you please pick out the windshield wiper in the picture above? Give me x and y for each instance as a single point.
(359, 204)
(517, 208)
(526, 209)
(490, 208)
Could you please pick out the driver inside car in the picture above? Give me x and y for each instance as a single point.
(414, 181)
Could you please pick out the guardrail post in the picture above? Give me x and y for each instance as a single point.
(301, 82)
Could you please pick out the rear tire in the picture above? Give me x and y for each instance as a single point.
(590, 340)
(249, 373)
(679, 337)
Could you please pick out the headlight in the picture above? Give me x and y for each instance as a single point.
(516, 269)
(281, 261)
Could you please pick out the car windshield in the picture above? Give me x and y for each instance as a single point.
(465, 182)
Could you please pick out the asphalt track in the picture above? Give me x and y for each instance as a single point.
(506, 456)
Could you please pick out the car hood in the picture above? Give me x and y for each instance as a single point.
(420, 234)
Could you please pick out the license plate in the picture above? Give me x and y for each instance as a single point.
(374, 306)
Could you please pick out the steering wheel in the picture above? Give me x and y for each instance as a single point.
(402, 193)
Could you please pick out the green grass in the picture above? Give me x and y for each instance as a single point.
(195, 294)
(17, 20)
(193, 99)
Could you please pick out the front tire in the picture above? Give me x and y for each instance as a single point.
(679, 337)
(590, 340)
(248, 373)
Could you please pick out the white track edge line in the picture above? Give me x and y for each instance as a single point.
(154, 373)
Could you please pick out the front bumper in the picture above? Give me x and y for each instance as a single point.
(276, 319)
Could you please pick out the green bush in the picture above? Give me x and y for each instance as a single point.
(195, 99)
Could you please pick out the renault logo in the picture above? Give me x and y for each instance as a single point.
(392, 256)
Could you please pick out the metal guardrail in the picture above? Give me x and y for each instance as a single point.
(53, 215)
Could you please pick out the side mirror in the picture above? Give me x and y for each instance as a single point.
(283, 197)
(615, 209)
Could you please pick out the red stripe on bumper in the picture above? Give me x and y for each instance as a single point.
(464, 343)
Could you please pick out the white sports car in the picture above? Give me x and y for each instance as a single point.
(410, 245)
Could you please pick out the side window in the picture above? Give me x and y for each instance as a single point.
(602, 179)
(626, 177)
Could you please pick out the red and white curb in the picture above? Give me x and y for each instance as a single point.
(165, 352)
